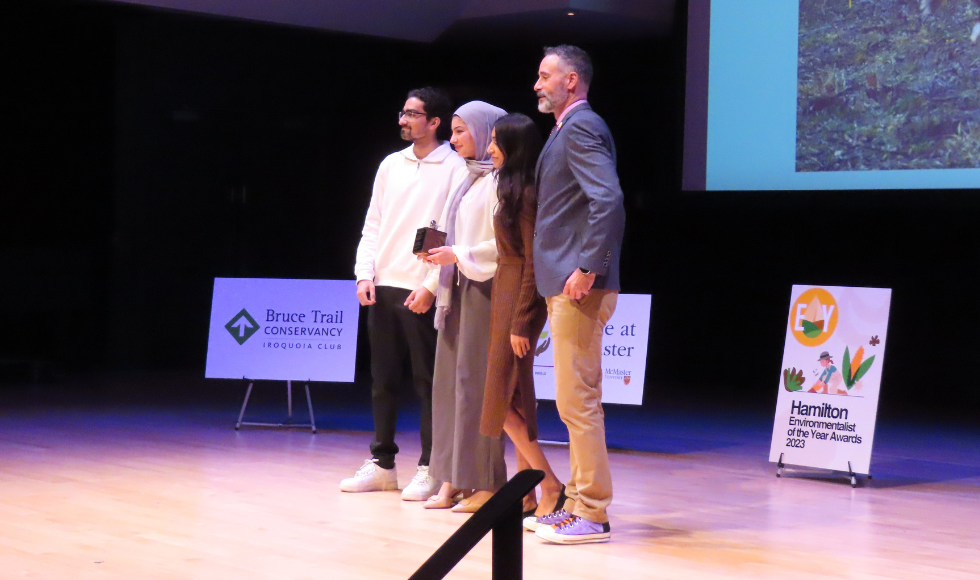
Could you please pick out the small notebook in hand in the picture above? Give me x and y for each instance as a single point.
(427, 238)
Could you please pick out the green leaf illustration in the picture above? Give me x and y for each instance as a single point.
(845, 368)
(811, 330)
(543, 347)
(793, 380)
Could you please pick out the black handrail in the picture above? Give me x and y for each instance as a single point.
(501, 514)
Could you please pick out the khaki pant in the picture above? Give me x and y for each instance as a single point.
(576, 334)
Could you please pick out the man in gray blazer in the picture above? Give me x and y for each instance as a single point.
(578, 235)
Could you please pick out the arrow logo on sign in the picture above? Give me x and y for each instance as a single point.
(242, 325)
(245, 326)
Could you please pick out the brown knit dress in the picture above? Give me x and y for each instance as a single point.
(515, 308)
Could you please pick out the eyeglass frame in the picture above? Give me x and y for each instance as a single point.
(412, 114)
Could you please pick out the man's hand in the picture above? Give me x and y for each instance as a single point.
(365, 292)
(520, 345)
(420, 300)
(578, 284)
(441, 256)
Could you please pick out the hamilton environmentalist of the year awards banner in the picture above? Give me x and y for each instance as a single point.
(831, 373)
(624, 354)
(283, 329)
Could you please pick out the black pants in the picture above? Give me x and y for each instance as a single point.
(397, 333)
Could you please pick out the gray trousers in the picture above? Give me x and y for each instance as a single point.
(460, 454)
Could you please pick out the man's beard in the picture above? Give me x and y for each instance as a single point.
(552, 101)
(406, 134)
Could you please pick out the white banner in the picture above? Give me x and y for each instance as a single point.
(624, 354)
(830, 377)
(300, 330)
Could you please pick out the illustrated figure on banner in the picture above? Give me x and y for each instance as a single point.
(829, 378)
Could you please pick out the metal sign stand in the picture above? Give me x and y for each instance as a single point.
(289, 405)
(850, 472)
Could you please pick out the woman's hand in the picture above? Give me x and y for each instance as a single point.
(520, 345)
(441, 256)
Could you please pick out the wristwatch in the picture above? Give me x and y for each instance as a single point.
(584, 271)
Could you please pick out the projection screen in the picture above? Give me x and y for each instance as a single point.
(832, 94)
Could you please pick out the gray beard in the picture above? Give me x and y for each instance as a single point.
(551, 102)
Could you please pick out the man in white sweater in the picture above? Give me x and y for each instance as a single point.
(410, 191)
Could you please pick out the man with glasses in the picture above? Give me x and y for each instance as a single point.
(410, 191)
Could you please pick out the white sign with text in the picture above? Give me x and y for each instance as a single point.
(624, 354)
(830, 377)
(271, 329)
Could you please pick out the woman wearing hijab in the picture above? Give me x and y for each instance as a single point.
(465, 460)
(517, 311)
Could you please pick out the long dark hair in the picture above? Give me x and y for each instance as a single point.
(520, 141)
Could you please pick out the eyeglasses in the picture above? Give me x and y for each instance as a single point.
(410, 114)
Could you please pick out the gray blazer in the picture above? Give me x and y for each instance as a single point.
(580, 204)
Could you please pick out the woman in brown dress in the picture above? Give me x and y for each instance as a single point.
(517, 311)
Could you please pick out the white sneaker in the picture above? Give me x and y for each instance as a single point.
(422, 487)
(531, 523)
(371, 477)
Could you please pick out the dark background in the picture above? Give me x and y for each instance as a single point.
(147, 152)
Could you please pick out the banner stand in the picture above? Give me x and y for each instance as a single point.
(827, 402)
(288, 423)
(850, 471)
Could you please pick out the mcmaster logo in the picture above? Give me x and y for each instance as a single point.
(242, 326)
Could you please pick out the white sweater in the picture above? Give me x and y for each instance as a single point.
(408, 194)
(476, 246)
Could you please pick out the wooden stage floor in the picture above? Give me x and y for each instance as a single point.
(136, 493)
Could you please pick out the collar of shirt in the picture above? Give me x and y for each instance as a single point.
(437, 155)
(569, 108)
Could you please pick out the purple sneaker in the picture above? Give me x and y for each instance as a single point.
(575, 531)
(532, 523)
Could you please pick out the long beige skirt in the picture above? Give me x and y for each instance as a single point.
(460, 454)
